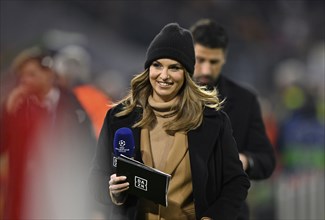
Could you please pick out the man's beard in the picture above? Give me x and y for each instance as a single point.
(207, 81)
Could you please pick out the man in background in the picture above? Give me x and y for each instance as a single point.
(241, 105)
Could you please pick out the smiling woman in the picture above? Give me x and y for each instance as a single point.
(179, 129)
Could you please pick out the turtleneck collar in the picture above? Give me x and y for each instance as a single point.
(162, 108)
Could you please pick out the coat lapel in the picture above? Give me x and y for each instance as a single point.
(202, 140)
(176, 154)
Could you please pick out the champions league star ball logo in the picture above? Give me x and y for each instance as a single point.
(121, 146)
(121, 143)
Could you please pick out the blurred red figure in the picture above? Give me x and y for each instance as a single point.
(44, 128)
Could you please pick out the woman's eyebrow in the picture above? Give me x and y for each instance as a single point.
(170, 65)
(175, 65)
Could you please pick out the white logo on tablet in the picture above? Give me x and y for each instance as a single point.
(140, 183)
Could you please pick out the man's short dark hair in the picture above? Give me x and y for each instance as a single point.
(209, 34)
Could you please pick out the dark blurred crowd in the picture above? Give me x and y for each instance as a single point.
(53, 97)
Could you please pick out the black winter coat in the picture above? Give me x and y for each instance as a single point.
(219, 183)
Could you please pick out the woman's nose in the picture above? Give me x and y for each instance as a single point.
(164, 74)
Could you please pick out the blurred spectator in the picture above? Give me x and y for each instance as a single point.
(299, 189)
(72, 64)
(49, 142)
(300, 186)
(301, 132)
(301, 139)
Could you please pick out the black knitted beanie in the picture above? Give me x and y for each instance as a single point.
(173, 42)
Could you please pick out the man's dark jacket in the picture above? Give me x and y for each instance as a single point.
(244, 112)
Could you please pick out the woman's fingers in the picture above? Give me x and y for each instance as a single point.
(116, 179)
(119, 190)
(117, 184)
(119, 187)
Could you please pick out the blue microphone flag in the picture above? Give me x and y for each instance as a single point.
(124, 142)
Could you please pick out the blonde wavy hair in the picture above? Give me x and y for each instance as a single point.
(188, 110)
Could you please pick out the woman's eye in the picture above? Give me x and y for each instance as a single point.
(175, 68)
(156, 65)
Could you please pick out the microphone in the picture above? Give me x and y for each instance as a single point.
(123, 143)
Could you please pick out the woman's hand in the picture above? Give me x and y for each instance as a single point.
(118, 185)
